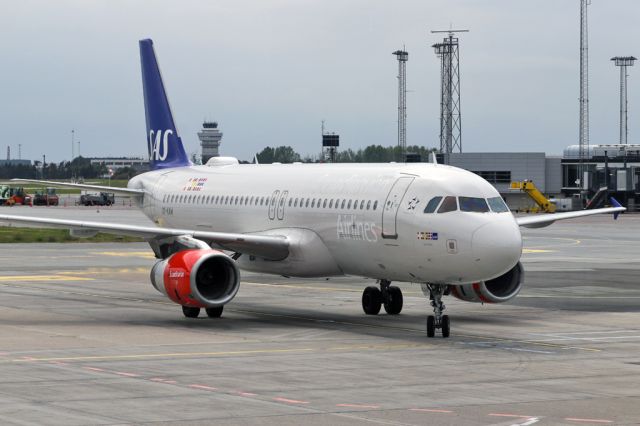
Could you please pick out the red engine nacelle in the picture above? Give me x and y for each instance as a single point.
(498, 290)
(197, 278)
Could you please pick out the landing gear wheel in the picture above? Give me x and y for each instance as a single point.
(445, 326)
(431, 326)
(371, 300)
(214, 312)
(393, 304)
(190, 312)
(437, 320)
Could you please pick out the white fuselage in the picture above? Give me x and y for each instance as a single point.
(357, 219)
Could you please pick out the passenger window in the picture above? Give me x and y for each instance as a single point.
(295, 203)
(432, 205)
(498, 205)
(349, 205)
(448, 205)
(290, 201)
(368, 204)
(306, 203)
(361, 204)
(324, 203)
(355, 204)
(331, 203)
(375, 204)
(473, 204)
(313, 203)
(343, 201)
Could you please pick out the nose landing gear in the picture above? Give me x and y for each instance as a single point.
(436, 321)
(389, 296)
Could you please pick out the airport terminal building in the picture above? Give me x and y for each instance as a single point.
(613, 165)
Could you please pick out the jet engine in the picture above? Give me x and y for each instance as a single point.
(197, 278)
(498, 290)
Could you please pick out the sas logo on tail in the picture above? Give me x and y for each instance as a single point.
(159, 144)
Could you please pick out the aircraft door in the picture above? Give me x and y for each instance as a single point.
(273, 204)
(154, 202)
(391, 206)
(281, 204)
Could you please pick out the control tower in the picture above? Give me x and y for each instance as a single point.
(210, 137)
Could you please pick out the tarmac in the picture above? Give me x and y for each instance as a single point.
(85, 339)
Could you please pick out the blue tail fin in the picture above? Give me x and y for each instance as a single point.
(165, 146)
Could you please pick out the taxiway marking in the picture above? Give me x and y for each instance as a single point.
(520, 416)
(144, 254)
(203, 387)
(289, 401)
(23, 278)
(431, 410)
(574, 419)
(162, 355)
(358, 406)
(337, 322)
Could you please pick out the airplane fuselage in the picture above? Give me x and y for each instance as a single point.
(356, 219)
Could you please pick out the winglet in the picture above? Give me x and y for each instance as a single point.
(615, 203)
(432, 158)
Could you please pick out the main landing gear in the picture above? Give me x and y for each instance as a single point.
(191, 312)
(436, 321)
(373, 298)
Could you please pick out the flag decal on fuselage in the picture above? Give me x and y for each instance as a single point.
(195, 184)
(428, 236)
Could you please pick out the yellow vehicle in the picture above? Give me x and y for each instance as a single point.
(543, 204)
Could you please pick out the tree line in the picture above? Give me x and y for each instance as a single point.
(79, 167)
(82, 167)
(370, 154)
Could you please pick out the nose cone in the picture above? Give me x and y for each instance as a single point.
(497, 246)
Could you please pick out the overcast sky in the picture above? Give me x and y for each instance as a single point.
(270, 70)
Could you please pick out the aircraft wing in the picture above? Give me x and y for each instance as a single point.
(101, 188)
(542, 220)
(272, 247)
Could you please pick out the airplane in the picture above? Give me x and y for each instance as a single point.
(440, 226)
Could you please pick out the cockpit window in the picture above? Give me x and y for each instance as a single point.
(448, 205)
(432, 205)
(498, 205)
(472, 204)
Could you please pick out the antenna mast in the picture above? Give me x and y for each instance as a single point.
(450, 117)
(623, 62)
(584, 94)
(402, 57)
